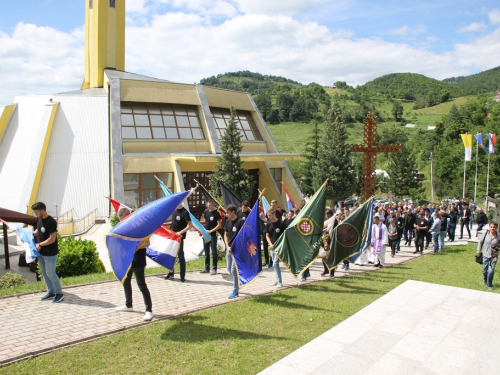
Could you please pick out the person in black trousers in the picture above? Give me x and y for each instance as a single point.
(137, 268)
(465, 216)
(181, 223)
(452, 223)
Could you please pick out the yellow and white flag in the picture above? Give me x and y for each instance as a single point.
(467, 138)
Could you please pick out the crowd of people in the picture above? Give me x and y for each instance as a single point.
(392, 224)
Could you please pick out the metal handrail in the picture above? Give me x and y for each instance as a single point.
(79, 226)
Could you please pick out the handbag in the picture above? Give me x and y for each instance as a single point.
(479, 258)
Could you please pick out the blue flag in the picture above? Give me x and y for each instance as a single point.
(479, 140)
(246, 248)
(28, 240)
(265, 205)
(127, 235)
(195, 221)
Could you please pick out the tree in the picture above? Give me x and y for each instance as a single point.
(397, 110)
(265, 104)
(401, 169)
(309, 158)
(228, 168)
(284, 102)
(334, 157)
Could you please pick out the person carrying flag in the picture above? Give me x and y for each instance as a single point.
(137, 268)
(274, 229)
(231, 228)
(213, 222)
(181, 223)
(243, 211)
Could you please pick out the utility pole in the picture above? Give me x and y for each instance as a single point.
(432, 178)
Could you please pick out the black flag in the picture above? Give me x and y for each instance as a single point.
(228, 196)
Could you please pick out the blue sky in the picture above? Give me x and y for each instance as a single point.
(41, 41)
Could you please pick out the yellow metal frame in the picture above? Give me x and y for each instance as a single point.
(5, 118)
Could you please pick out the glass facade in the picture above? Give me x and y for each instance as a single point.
(244, 122)
(160, 121)
(142, 188)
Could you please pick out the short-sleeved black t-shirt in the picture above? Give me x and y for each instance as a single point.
(274, 229)
(243, 215)
(180, 220)
(44, 228)
(211, 219)
(232, 227)
(422, 223)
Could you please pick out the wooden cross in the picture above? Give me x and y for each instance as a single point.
(370, 149)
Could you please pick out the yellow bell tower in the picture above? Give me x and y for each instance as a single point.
(104, 39)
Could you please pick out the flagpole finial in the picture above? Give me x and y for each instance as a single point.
(261, 193)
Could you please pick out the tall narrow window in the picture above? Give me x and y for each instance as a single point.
(112, 3)
(91, 4)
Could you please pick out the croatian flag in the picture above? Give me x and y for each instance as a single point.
(493, 142)
(28, 240)
(163, 248)
(117, 206)
(289, 200)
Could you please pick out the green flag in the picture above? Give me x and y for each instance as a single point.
(351, 237)
(296, 246)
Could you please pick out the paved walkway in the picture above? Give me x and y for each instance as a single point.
(417, 328)
(88, 311)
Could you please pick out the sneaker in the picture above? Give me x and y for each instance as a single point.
(47, 296)
(303, 279)
(169, 276)
(264, 264)
(331, 276)
(205, 271)
(182, 279)
(124, 309)
(213, 272)
(490, 288)
(324, 273)
(232, 295)
(270, 265)
(275, 283)
(58, 298)
(279, 285)
(148, 316)
(343, 266)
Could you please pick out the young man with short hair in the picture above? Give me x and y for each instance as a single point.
(47, 246)
(231, 228)
(243, 211)
(213, 222)
(421, 229)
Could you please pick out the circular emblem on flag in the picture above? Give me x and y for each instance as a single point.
(347, 235)
(305, 226)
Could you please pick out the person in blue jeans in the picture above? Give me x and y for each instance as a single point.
(213, 222)
(274, 229)
(231, 228)
(435, 230)
(489, 245)
(47, 246)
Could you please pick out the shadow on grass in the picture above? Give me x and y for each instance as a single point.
(191, 329)
(284, 300)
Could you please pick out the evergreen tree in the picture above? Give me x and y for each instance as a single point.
(334, 157)
(265, 104)
(400, 169)
(397, 110)
(309, 158)
(228, 168)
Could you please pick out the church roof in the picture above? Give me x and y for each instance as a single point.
(112, 73)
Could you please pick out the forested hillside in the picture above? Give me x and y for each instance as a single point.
(483, 82)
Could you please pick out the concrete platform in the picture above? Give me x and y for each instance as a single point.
(417, 328)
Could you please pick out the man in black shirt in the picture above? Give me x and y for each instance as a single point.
(181, 223)
(213, 222)
(452, 223)
(421, 229)
(231, 228)
(243, 211)
(46, 231)
(274, 229)
(481, 220)
(465, 216)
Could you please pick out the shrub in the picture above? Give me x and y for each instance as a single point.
(77, 257)
(11, 279)
(114, 220)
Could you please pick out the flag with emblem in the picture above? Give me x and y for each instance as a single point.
(246, 248)
(117, 206)
(296, 247)
(350, 238)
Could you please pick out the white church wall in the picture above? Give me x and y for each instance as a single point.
(76, 170)
(20, 151)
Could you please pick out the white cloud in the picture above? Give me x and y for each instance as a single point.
(473, 27)
(406, 30)
(287, 7)
(186, 47)
(494, 17)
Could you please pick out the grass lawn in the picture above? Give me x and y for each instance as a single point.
(247, 336)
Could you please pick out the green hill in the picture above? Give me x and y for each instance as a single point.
(411, 86)
(483, 82)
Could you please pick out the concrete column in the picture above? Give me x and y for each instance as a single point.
(116, 146)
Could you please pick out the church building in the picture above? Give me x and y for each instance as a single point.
(120, 129)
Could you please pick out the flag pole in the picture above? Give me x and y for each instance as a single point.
(488, 175)
(463, 190)
(475, 182)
